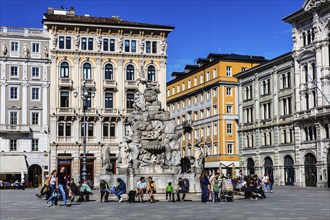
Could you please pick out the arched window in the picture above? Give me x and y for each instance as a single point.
(130, 72)
(151, 73)
(64, 70)
(87, 71)
(108, 71)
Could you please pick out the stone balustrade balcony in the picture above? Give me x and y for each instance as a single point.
(131, 84)
(109, 84)
(14, 128)
(65, 82)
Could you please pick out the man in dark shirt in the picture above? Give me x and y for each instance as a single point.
(62, 184)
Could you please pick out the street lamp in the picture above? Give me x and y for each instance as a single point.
(85, 94)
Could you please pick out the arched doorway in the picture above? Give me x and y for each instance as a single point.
(268, 165)
(288, 170)
(250, 167)
(328, 159)
(310, 170)
(35, 176)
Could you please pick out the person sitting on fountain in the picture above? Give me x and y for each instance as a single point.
(141, 188)
(120, 189)
(151, 188)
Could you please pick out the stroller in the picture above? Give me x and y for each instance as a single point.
(226, 192)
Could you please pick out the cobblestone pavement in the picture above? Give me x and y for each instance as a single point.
(284, 203)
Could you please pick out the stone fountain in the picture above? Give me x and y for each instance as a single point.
(151, 144)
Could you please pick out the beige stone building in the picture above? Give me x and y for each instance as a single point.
(109, 55)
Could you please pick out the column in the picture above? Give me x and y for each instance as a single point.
(24, 97)
(3, 106)
(319, 74)
(45, 106)
(120, 95)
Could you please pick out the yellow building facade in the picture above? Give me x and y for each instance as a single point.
(203, 102)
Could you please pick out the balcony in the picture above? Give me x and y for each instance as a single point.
(65, 82)
(14, 128)
(64, 139)
(65, 110)
(109, 140)
(89, 82)
(130, 84)
(110, 111)
(109, 84)
(18, 31)
(89, 111)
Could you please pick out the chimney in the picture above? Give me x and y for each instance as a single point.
(71, 11)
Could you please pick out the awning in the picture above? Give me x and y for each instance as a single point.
(223, 163)
(13, 164)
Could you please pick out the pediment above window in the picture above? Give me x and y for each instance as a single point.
(36, 108)
(14, 107)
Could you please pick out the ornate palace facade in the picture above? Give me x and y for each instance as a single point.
(109, 55)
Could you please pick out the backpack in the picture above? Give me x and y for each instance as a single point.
(185, 185)
(131, 196)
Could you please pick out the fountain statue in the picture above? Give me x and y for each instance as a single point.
(151, 136)
(151, 144)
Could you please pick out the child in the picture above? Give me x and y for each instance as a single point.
(169, 191)
(216, 188)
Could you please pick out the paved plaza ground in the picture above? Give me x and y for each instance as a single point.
(284, 203)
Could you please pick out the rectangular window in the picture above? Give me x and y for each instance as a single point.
(228, 91)
(68, 43)
(35, 94)
(214, 92)
(215, 129)
(229, 128)
(108, 100)
(83, 43)
(105, 44)
(105, 130)
(230, 148)
(215, 110)
(228, 71)
(229, 109)
(61, 42)
(201, 78)
(64, 99)
(112, 130)
(129, 100)
(13, 92)
(35, 72)
(13, 145)
(133, 46)
(68, 129)
(112, 45)
(14, 46)
(90, 130)
(90, 43)
(148, 47)
(126, 45)
(214, 73)
(60, 129)
(207, 76)
(154, 47)
(35, 118)
(14, 71)
(35, 145)
(13, 118)
(35, 48)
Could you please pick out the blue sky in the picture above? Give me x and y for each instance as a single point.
(252, 27)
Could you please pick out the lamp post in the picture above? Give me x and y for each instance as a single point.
(85, 94)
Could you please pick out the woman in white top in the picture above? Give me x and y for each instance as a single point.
(53, 183)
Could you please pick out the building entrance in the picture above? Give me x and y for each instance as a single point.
(310, 170)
